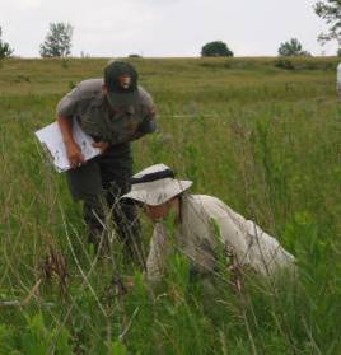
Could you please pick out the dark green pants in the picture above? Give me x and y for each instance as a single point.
(99, 183)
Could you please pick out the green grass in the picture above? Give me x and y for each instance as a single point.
(264, 139)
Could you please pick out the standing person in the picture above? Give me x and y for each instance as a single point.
(195, 219)
(114, 110)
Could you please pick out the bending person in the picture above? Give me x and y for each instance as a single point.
(115, 111)
(197, 218)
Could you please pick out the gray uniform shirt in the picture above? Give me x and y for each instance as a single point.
(90, 107)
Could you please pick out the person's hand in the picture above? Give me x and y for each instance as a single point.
(74, 154)
(103, 146)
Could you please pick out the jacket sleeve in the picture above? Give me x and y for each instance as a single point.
(158, 252)
(250, 244)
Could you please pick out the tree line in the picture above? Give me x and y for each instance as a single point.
(58, 40)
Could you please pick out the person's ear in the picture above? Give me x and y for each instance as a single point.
(104, 89)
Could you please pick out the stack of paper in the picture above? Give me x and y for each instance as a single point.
(51, 139)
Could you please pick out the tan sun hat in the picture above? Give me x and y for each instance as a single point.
(155, 185)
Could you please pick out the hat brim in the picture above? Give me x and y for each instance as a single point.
(157, 192)
(122, 99)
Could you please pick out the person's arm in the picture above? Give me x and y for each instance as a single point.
(73, 151)
(147, 126)
(250, 244)
(157, 256)
(65, 113)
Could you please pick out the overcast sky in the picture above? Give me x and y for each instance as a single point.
(162, 28)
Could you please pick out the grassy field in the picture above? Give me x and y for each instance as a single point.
(262, 137)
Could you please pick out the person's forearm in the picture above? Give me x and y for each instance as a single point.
(73, 151)
(66, 129)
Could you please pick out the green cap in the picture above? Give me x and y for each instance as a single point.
(120, 79)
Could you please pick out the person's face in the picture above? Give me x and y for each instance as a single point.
(157, 213)
(160, 212)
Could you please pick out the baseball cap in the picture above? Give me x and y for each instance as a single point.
(120, 79)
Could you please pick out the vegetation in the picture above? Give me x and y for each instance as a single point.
(58, 40)
(292, 48)
(5, 50)
(330, 11)
(216, 49)
(263, 139)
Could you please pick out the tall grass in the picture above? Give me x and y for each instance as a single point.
(262, 138)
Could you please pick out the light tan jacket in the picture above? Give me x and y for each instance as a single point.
(208, 224)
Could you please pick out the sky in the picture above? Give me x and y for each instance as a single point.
(164, 28)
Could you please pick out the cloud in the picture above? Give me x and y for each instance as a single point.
(31, 3)
(162, 27)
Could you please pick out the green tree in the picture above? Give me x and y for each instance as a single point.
(216, 49)
(330, 10)
(292, 48)
(58, 40)
(5, 50)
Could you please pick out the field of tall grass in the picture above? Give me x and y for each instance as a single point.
(261, 134)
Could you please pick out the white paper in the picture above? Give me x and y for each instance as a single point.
(51, 139)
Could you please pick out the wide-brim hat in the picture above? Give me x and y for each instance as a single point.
(156, 185)
(120, 79)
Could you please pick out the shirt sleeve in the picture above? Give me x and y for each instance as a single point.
(158, 252)
(148, 124)
(66, 107)
(249, 243)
